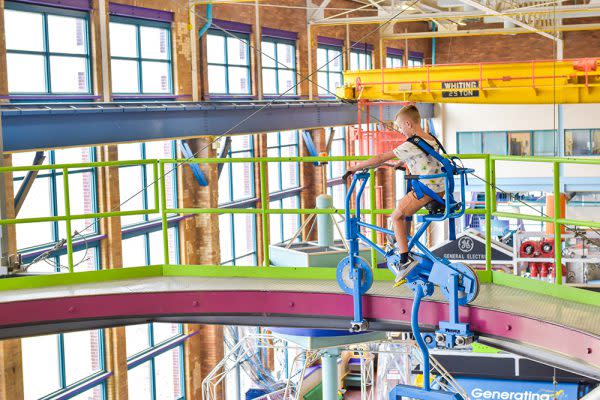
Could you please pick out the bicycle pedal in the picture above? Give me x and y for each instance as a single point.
(400, 282)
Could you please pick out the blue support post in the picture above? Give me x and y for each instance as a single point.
(310, 145)
(187, 153)
(28, 182)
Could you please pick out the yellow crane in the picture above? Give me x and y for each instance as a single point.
(528, 82)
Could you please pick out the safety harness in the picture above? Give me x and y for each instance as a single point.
(449, 168)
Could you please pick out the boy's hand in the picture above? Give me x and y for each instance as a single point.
(347, 174)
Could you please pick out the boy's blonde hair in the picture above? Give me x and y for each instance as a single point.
(411, 112)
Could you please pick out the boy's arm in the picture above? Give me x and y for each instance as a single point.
(372, 162)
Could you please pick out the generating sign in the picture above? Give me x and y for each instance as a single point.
(460, 89)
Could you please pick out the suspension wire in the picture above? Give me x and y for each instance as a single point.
(247, 118)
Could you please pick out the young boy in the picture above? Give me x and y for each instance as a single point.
(408, 123)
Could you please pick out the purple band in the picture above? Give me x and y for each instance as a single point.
(124, 10)
(415, 54)
(390, 51)
(231, 26)
(359, 46)
(328, 41)
(45, 97)
(279, 34)
(82, 5)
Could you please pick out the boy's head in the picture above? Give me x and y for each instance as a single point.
(408, 121)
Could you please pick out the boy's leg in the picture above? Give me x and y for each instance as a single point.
(407, 207)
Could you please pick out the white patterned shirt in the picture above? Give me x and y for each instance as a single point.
(420, 163)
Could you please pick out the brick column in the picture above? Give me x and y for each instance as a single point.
(11, 359)
(199, 241)
(311, 179)
(111, 257)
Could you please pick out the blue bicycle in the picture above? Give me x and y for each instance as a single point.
(457, 282)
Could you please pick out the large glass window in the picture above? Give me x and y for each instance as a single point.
(47, 50)
(543, 143)
(329, 65)
(140, 53)
(278, 66)
(393, 61)
(360, 59)
(582, 142)
(54, 363)
(162, 376)
(517, 143)
(142, 237)
(283, 176)
(415, 61)
(46, 199)
(228, 60)
(237, 232)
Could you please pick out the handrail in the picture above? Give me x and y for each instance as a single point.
(161, 210)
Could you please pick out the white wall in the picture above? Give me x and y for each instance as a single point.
(452, 118)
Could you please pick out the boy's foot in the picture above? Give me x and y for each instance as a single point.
(401, 270)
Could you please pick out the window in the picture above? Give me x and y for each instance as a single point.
(278, 66)
(329, 64)
(544, 143)
(47, 50)
(238, 231)
(162, 376)
(393, 61)
(582, 142)
(46, 199)
(360, 59)
(228, 61)
(54, 363)
(140, 56)
(142, 234)
(517, 143)
(415, 61)
(335, 169)
(283, 176)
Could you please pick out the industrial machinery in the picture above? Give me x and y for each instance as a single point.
(457, 282)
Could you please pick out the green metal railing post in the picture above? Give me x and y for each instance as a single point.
(68, 218)
(488, 213)
(163, 211)
(264, 202)
(557, 225)
(492, 183)
(373, 199)
(156, 188)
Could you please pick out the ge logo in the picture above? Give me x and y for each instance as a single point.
(465, 244)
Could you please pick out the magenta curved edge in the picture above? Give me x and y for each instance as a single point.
(561, 339)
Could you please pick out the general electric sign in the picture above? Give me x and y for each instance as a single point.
(496, 389)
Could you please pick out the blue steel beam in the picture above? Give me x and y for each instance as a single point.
(27, 127)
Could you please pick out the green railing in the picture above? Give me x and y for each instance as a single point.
(160, 210)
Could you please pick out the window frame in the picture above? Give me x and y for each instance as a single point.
(232, 201)
(590, 150)
(328, 71)
(368, 54)
(292, 192)
(94, 228)
(411, 61)
(145, 205)
(278, 66)
(532, 140)
(138, 23)
(152, 346)
(389, 59)
(245, 37)
(45, 11)
(62, 371)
